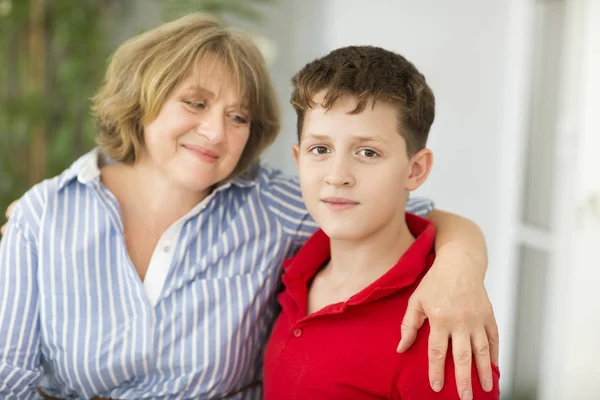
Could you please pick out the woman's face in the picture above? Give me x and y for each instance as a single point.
(199, 134)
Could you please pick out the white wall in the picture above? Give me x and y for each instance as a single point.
(297, 28)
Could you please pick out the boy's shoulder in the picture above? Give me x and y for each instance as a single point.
(412, 380)
(313, 253)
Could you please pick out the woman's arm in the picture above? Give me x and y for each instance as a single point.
(453, 297)
(20, 367)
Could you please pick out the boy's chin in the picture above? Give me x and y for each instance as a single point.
(344, 233)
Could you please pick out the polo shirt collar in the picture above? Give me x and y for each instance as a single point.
(409, 268)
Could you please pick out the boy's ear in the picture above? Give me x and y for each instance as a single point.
(295, 152)
(420, 166)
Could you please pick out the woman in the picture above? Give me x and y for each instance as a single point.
(148, 268)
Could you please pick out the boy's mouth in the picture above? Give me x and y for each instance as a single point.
(339, 203)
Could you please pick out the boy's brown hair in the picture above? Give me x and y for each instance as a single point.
(145, 69)
(370, 74)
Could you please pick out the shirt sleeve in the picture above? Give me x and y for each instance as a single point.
(412, 377)
(20, 367)
(284, 200)
(419, 206)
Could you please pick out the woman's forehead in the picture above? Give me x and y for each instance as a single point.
(216, 80)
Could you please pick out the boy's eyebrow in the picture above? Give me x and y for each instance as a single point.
(315, 136)
(366, 139)
(357, 138)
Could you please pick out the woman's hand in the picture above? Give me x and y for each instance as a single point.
(453, 297)
(8, 212)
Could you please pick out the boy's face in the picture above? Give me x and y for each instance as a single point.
(354, 169)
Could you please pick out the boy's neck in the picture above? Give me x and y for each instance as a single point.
(361, 262)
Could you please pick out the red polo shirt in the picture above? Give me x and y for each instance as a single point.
(348, 350)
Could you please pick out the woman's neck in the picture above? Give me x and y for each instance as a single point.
(142, 191)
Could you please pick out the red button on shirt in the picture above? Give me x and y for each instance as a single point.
(349, 352)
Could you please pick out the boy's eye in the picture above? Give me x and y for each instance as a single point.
(319, 150)
(369, 153)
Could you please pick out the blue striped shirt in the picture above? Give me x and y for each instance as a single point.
(76, 320)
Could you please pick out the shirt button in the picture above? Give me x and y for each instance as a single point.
(166, 249)
(297, 332)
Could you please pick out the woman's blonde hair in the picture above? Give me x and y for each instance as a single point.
(144, 70)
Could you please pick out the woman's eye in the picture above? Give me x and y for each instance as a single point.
(319, 150)
(196, 105)
(369, 153)
(238, 119)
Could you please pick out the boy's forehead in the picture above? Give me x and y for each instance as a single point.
(376, 123)
(345, 100)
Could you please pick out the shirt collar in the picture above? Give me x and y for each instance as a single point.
(87, 169)
(244, 180)
(409, 268)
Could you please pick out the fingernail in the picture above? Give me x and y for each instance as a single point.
(467, 395)
(399, 346)
(488, 385)
(437, 386)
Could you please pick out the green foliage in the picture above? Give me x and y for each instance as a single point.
(49, 101)
(44, 95)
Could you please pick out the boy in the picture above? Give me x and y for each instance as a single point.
(364, 115)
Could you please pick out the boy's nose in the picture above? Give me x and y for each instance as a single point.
(338, 180)
(339, 175)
